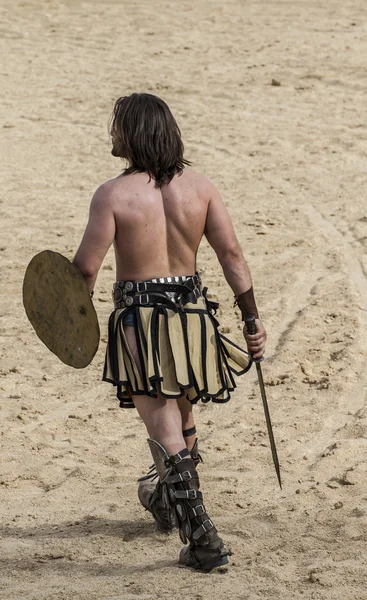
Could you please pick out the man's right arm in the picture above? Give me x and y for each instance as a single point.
(221, 236)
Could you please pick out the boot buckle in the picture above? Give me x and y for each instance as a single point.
(186, 476)
(198, 510)
(207, 525)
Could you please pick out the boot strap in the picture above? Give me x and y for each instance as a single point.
(204, 528)
(185, 476)
(196, 511)
(184, 494)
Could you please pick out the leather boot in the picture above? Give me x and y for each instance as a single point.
(206, 549)
(149, 494)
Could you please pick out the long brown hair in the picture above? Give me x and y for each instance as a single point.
(145, 133)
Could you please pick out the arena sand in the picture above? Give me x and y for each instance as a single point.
(270, 97)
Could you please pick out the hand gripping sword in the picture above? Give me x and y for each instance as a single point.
(251, 328)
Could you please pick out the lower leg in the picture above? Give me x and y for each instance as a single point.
(163, 421)
(162, 418)
(176, 499)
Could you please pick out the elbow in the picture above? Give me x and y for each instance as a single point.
(87, 270)
(231, 256)
(89, 274)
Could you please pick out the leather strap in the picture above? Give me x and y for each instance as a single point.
(123, 299)
(204, 528)
(189, 432)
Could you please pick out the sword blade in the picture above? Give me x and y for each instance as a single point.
(268, 422)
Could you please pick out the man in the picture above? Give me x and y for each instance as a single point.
(164, 351)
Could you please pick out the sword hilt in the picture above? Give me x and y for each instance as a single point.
(250, 323)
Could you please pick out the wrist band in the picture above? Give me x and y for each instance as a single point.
(247, 305)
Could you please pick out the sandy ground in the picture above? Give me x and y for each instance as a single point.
(290, 161)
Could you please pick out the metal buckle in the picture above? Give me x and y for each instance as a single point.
(143, 299)
(185, 476)
(188, 494)
(198, 512)
(141, 286)
(207, 527)
(178, 458)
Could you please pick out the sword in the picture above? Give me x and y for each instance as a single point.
(251, 328)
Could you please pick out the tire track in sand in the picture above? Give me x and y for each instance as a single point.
(355, 396)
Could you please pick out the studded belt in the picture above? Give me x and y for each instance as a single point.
(175, 291)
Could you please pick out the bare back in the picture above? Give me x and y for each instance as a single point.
(158, 231)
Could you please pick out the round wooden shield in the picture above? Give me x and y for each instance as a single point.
(58, 305)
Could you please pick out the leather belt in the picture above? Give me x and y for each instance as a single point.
(175, 291)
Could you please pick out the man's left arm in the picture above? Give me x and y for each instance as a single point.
(98, 236)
